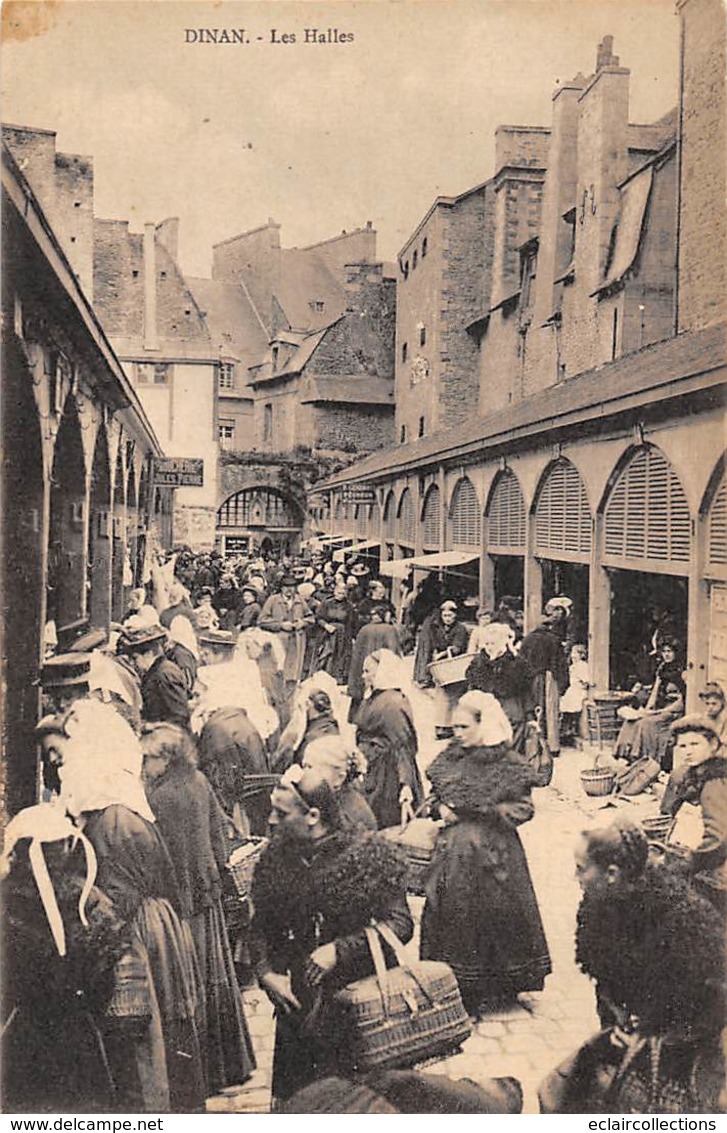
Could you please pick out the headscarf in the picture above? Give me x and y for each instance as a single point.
(494, 726)
(259, 638)
(47, 822)
(182, 633)
(389, 670)
(106, 675)
(330, 756)
(102, 762)
(234, 684)
(294, 731)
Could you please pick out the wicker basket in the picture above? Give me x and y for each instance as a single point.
(658, 829)
(450, 670)
(242, 862)
(598, 781)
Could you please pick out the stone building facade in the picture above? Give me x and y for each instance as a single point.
(305, 346)
(596, 465)
(78, 502)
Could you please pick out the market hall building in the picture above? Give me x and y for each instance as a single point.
(78, 502)
(561, 372)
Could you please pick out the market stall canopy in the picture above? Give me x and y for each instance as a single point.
(328, 539)
(340, 554)
(399, 568)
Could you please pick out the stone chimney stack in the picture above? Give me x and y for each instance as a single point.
(604, 54)
(150, 289)
(602, 162)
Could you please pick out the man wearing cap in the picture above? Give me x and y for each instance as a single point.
(163, 687)
(248, 613)
(65, 678)
(288, 614)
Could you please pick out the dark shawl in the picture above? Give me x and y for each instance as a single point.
(194, 827)
(386, 736)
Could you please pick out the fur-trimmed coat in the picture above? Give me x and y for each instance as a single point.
(330, 892)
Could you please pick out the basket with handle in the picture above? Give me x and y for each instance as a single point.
(450, 670)
(416, 837)
(401, 1016)
(598, 781)
(241, 864)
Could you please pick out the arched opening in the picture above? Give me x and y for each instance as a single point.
(646, 552)
(67, 541)
(389, 525)
(563, 539)
(506, 521)
(432, 520)
(24, 605)
(119, 568)
(258, 514)
(100, 534)
(465, 534)
(143, 521)
(714, 513)
(132, 527)
(406, 524)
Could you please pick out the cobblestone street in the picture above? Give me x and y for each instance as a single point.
(533, 1037)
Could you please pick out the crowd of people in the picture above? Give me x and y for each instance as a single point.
(271, 703)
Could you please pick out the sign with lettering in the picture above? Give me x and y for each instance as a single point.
(178, 472)
(237, 544)
(358, 494)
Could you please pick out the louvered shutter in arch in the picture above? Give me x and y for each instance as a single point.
(717, 527)
(432, 519)
(506, 520)
(647, 516)
(464, 514)
(563, 524)
(389, 517)
(407, 519)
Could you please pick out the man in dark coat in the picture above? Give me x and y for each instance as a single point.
(314, 891)
(230, 751)
(375, 634)
(544, 652)
(164, 691)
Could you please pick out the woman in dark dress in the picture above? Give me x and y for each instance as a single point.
(62, 941)
(158, 984)
(198, 836)
(481, 914)
(498, 669)
(386, 736)
(333, 634)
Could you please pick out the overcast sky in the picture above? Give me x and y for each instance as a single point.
(319, 137)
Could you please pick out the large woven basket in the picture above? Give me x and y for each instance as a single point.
(450, 670)
(658, 829)
(242, 862)
(598, 781)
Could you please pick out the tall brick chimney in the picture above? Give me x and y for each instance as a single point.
(150, 289)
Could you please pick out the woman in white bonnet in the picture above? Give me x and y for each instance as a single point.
(481, 914)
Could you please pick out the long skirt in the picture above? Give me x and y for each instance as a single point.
(175, 980)
(481, 914)
(227, 1048)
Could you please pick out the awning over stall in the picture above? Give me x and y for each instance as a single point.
(441, 560)
(342, 552)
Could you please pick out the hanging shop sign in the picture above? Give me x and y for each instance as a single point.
(358, 494)
(178, 472)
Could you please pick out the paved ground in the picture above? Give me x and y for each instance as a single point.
(533, 1037)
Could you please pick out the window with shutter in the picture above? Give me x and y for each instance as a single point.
(389, 517)
(432, 519)
(338, 510)
(717, 528)
(407, 519)
(506, 521)
(647, 516)
(562, 515)
(464, 514)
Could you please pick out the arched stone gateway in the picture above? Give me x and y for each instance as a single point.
(259, 519)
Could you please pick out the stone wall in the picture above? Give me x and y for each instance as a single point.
(703, 220)
(353, 428)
